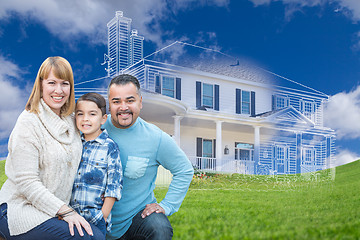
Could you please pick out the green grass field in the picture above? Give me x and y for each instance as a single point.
(2, 172)
(313, 206)
(325, 205)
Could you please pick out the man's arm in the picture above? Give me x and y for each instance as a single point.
(171, 157)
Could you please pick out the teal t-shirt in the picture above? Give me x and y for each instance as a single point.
(143, 147)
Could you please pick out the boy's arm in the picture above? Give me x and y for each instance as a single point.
(107, 206)
(114, 180)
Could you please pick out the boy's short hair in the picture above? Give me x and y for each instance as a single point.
(95, 98)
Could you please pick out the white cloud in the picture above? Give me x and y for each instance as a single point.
(350, 8)
(69, 19)
(353, 6)
(63, 18)
(342, 113)
(344, 157)
(12, 98)
(301, 3)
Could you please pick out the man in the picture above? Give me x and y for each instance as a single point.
(143, 147)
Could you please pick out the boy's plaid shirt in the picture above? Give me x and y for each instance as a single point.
(99, 175)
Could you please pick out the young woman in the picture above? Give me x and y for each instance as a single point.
(44, 154)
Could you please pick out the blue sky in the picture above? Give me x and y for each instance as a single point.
(314, 42)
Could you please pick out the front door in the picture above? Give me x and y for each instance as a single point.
(280, 159)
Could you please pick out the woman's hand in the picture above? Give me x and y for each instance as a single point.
(78, 221)
(74, 219)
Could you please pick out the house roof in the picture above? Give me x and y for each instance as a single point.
(213, 61)
(288, 116)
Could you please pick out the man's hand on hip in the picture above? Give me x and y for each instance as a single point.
(150, 208)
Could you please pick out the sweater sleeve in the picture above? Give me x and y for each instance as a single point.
(171, 157)
(24, 154)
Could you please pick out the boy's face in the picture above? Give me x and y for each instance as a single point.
(89, 119)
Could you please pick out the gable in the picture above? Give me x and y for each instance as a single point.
(289, 116)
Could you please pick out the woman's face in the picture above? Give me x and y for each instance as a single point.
(55, 92)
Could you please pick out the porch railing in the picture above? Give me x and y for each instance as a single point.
(311, 168)
(204, 163)
(226, 165)
(238, 166)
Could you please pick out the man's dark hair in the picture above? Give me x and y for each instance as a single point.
(95, 98)
(124, 79)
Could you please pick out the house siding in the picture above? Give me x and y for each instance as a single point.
(294, 133)
(227, 98)
(295, 100)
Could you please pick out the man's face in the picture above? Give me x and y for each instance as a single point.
(125, 104)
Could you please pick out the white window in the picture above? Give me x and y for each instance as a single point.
(308, 109)
(207, 148)
(208, 95)
(245, 102)
(281, 102)
(244, 151)
(308, 156)
(168, 86)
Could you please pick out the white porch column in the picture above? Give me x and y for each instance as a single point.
(256, 146)
(177, 129)
(219, 151)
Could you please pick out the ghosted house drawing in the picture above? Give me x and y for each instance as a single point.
(226, 114)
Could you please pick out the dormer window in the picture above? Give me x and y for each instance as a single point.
(279, 102)
(308, 109)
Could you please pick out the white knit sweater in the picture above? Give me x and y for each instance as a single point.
(44, 153)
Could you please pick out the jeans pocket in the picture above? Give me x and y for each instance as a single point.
(136, 167)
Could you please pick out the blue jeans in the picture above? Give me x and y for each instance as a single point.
(101, 225)
(156, 226)
(52, 229)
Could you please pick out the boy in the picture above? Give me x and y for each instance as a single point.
(98, 182)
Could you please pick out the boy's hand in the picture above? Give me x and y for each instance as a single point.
(104, 216)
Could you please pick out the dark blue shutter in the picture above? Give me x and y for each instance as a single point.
(216, 107)
(198, 95)
(273, 103)
(199, 147)
(298, 152)
(178, 88)
(252, 106)
(236, 153)
(274, 157)
(328, 148)
(157, 84)
(238, 101)
(214, 148)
